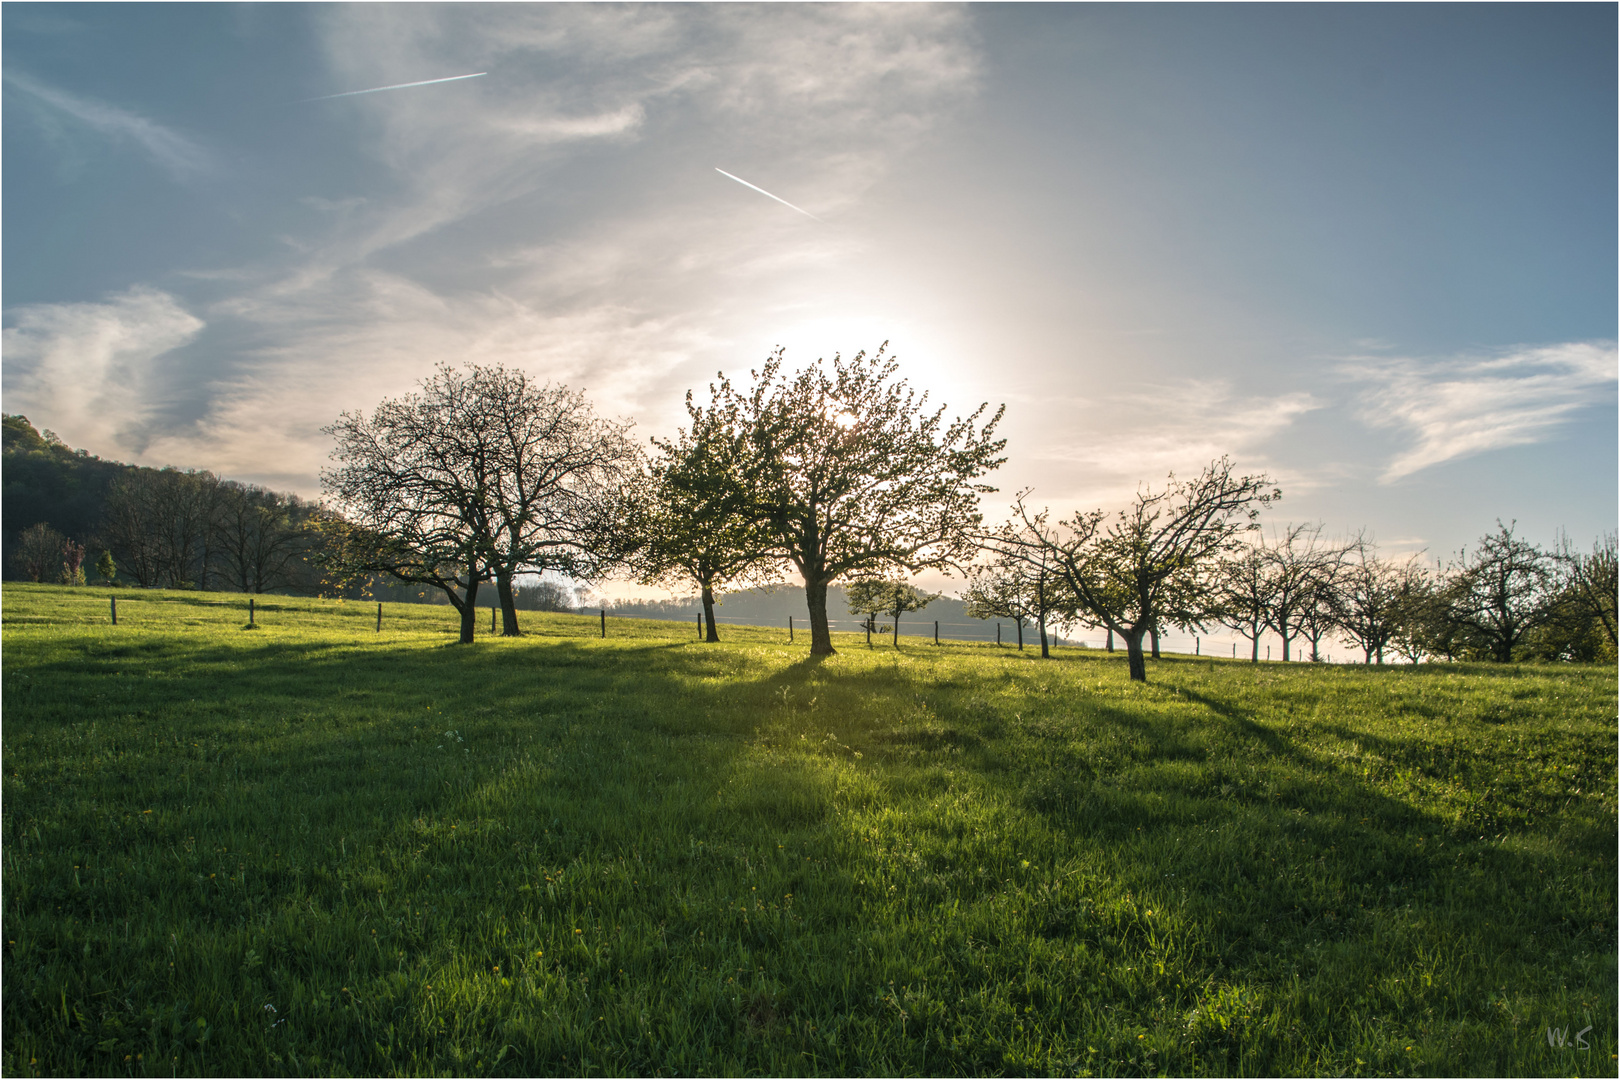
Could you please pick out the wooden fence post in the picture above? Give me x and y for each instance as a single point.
(604, 622)
(379, 616)
(114, 600)
(1198, 647)
(700, 626)
(492, 618)
(936, 631)
(998, 635)
(869, 632)
(790, 629)
(250, 611)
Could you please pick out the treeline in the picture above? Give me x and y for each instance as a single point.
(1503, 600)
(114, 523)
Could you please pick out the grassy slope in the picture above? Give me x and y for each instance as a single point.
(648, 855)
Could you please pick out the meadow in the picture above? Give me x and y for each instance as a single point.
(316, 848)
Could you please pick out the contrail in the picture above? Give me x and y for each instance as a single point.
(767, 194)
(397, 86)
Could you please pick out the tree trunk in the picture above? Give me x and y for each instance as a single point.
(815, 597)
(897, 629)
(469, 613)
(1041, 624)
(1153, 634)
(1286, 640)
(1020, 635)
(509, 617)
(712, 634)
(1110, 641)
(1255, 656)
(1133, 651)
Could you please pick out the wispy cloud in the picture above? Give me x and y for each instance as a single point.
(171, 151)
(89, 369)
(1177, 429)
(1459, 407)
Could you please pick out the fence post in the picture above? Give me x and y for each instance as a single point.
(1198, 647)
(250, 611)
(379, 616)
(998, 635)
(1268, 652)
(700, 626)
(936, 631)
(604, 622)
(114, 600)
(1234, 650)
(492, 618)
(790, 629)
(868, 632)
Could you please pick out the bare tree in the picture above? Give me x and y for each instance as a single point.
(1023, 582)
(414, 501)
(39, 552)
(554, 478)
(854, 478)
(1594, 580)
(1245, 594)
(1297, 563)
(259, 536)
(1154, 563)
(1377, 598)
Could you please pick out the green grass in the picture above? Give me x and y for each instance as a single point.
(312, 848)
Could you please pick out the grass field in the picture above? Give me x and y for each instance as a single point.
(313, 848)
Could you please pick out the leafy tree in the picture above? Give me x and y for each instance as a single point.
(39, 553)
(854, 478)
(1500, 593)
(690, 520)
(1154, 563)
(107, 569)
(891, 598)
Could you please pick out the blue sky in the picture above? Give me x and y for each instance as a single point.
(1369, 249)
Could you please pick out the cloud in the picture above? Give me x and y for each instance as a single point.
(1179, 430)
(89, 370)
(177, 155)
(1461, 407)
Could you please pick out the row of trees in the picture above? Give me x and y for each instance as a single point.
(841, 472)
(1504, 600)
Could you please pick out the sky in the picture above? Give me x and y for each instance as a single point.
(1368, 249)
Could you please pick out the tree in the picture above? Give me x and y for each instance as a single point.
(554, 477)
(892, 598)
(1500, 594)
(1593, 581)
(1015, 587)
(1377, 598)
(1155, 562)
(259, 536)
(854, 478)
(689, 519)
(1296, 564)
(1244, 594)
(107, 569)
(39, 552)
(412, 499)
(72, 563)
